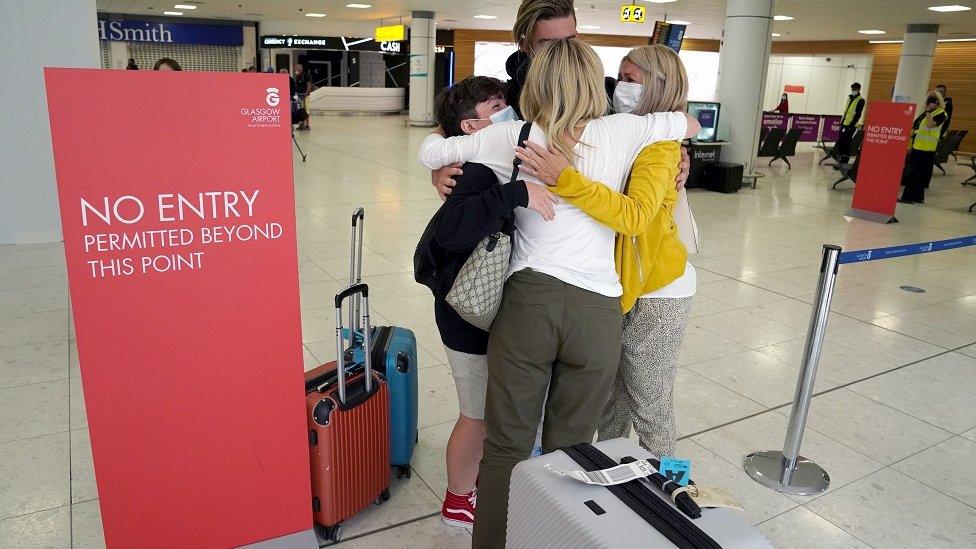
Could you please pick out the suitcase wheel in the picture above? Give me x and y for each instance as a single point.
(403, 471)
(383, 497)
(329, 533)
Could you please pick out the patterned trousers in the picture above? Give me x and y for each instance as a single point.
(643, 390)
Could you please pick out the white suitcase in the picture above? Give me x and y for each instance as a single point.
(549, 511)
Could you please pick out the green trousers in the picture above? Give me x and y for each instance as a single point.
(549, 338)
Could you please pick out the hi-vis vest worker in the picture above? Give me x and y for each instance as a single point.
(855, 105)
(927, 139)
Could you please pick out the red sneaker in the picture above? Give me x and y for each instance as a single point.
(458, 509)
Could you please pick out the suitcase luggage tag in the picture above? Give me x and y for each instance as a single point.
(676, 470)
(704, 496)
(620, 474)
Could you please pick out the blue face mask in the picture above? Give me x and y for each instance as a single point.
(504, 115)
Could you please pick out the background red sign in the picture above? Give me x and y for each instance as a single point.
(887, 130)
(178, 212)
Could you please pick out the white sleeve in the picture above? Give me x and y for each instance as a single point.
(661, 126)
(480, 146)
(632, 133)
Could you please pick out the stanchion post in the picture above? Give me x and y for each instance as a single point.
(787, 471)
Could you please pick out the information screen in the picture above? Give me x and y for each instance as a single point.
(707, 115)
(668, 35)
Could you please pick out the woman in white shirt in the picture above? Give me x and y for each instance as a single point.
(558, 332)
(658, 280)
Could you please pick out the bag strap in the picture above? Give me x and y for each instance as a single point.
(665, 519)
(523, 137)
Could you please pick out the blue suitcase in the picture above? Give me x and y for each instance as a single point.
(394, 355)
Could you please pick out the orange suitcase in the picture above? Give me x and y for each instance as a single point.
(349, 433)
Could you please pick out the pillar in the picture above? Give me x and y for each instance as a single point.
(743, 62)
(915, 65)
(423, 35)
(35, 34)
(119, 55)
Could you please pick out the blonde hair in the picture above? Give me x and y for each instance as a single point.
(938, 97)
(531, 11)
(564, 90)
(665, 79)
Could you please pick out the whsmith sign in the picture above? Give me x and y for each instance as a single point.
(170, 33)
(340, 43)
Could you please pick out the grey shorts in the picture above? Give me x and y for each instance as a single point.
(471, 381)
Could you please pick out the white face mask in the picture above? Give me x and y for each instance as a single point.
(626, 96)
(504, 115)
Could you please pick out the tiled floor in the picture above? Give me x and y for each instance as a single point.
(895, 424)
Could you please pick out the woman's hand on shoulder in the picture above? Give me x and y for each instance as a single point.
(694, 126)
(443, 179)
(542, 163)
(541, 200)
(684, 167)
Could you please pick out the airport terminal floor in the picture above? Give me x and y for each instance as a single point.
(893, 420)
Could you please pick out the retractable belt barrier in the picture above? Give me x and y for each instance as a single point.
(906, 249)
(787, 471)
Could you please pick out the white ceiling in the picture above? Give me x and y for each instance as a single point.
(814, 20)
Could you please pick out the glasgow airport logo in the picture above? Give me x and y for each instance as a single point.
(264, 116)
(272, 97)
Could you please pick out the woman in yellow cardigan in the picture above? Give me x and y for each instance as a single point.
(658, 281)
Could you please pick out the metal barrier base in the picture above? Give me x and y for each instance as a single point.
(870, 216)
(766, 468)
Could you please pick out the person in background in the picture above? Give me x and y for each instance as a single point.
(926, 133)
(848, 123)
(658, 282)
(478, 207)
(167, 64)
(303, 83)
(941, 88)
(784, 104)
(132, 65)
(292, 87)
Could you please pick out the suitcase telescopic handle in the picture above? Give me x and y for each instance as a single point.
(355, 290)
(356, 262)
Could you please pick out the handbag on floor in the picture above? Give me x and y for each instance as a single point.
(476, 293)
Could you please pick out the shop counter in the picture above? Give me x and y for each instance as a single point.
(356, 100)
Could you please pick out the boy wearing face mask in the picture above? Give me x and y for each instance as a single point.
(478, 207)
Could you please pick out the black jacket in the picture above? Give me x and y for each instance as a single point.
(517, 66)
(478, 206)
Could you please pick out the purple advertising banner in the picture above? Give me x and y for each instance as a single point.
(809, 123)
(772, 120)
(831, 128)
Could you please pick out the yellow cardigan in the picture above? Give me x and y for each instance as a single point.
(648, 252)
